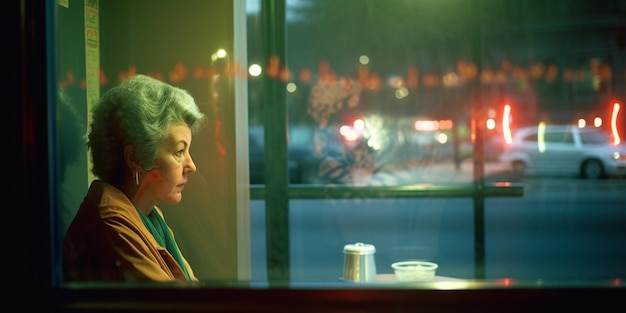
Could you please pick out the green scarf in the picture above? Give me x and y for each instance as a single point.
(157, 227)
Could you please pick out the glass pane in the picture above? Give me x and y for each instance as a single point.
(190, 45)
(409, 229)
(425, 94)
(405, 121)
(408, 74)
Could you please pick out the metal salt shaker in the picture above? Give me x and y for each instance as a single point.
(359, 264)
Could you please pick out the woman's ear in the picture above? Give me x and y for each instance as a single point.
(130, 157)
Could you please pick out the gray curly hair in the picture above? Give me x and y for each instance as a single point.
(138, 112)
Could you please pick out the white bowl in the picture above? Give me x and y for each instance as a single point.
(414, 270)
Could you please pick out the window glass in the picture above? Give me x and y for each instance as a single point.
(557, 136)
(387, 123)
(594, 138)
(100, 44)
(569, 138)
(395, 94)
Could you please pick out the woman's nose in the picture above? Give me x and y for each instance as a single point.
(191, 166)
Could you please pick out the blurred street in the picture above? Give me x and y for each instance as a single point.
(440, 173)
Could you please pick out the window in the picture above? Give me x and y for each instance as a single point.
(385, 95)
(594, 138)
(371, 120)
(558, 137)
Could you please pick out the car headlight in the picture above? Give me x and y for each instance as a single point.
(619, 156)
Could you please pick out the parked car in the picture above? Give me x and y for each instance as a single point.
(301, 164)
(585, 152)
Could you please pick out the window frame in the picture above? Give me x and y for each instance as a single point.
(32, 273)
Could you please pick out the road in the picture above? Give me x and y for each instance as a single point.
(562, 229)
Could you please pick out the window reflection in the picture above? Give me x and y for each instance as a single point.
(422, 93)
(416, 96)
(354, 61)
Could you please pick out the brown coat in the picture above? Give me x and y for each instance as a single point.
(107, 241)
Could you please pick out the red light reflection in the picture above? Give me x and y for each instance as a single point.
(616, 138)
(506, 282)
(617, 282)
(506, 124)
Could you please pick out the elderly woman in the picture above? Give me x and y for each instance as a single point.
(139, 141)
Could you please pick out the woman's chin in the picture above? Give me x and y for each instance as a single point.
(175, 199)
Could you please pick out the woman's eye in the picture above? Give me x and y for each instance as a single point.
(180, 153)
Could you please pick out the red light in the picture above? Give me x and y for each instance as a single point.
(617, 282)
(354, 132)
(506, 124)
(473, 130)
(423, 125)
(426, 125)
(506, 282)
(614, 130)
(445, 124)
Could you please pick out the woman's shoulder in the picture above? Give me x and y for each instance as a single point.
(110, 200)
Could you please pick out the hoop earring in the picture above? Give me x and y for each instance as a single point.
(137, 178)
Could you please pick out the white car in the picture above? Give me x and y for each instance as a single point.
(565, 150)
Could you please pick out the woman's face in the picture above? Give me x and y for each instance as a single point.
(167, 180)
